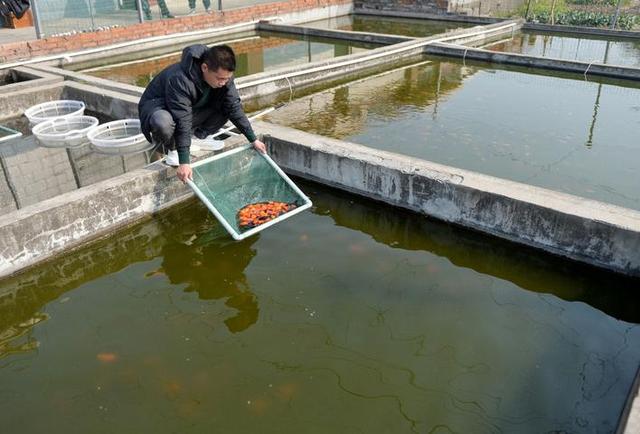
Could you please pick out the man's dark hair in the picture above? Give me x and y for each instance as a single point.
(220, 56)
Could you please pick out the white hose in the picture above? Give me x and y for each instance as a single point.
(587, 70)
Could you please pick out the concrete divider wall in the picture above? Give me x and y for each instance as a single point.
(80, 77)
(26, 78)
(114, 104)
(343, 68)
(14, 103)
(584, 230)
(579, 30)
(18, 96)
(373, 38)
(584, 68)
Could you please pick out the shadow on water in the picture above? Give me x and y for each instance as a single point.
(530, 269)
(211, 264)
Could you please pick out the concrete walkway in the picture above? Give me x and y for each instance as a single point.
(8, 35)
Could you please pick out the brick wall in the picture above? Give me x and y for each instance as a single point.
(423, 6)
(61, 44)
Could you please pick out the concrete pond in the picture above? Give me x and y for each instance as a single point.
(480, 298)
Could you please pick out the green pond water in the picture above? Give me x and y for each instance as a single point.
(561, 46)
(388, 25)
(557, 132)
(263, 52)
(352, 318)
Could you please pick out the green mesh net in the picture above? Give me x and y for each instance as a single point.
(229, 181)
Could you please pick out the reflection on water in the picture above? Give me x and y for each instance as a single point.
(17, 338)
(213, 266)
(564, 134)
(253, 55)
(352, 318)
(388, 25)
(561, 46)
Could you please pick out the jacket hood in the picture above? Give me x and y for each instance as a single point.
(191, 61)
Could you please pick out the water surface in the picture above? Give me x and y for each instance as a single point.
(581, 48)
(562, 133)
(388, 25)
(352, 318)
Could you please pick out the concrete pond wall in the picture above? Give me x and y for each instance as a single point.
(583, 230)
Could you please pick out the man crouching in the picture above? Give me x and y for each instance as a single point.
(194, 97)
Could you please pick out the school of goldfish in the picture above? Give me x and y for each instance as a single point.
(256, 214)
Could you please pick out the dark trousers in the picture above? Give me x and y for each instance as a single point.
(206, 3)
(162, 127)
(164, 10)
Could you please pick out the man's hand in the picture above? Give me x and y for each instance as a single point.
(184, 172)
(261, 147)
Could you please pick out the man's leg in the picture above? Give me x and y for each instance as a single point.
(207, 122)
(164, 10)
(162, 127)
(146, 9)
(206, 4)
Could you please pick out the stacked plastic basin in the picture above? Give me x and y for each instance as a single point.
(63, 124)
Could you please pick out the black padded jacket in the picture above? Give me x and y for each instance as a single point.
(180, 89)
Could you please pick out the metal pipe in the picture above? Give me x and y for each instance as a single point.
(36, 19)
(140, 14)
(93, 24)
(615, 17)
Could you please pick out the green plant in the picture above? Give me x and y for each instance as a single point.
(537, 7)
(585, 18)
(594, 2)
